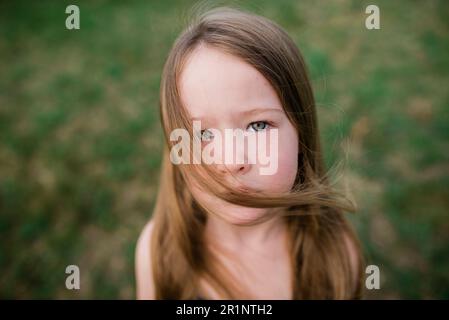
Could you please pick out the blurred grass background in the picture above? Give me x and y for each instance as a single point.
(80, 139)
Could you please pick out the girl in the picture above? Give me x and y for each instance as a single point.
(224, 231)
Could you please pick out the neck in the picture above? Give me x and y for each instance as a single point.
(239, 237)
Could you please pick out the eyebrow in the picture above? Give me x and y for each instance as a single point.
(251, 112)
(260, 110)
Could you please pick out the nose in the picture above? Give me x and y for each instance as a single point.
(234, 157)
(234, 160)
(234, 168)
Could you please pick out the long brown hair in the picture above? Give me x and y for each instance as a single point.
(318, 231)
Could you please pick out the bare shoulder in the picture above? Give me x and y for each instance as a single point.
(354, 259)
(143, 265)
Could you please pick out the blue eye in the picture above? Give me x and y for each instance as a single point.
(258, 125)
(206, 135)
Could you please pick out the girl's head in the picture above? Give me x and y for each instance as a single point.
(235, 70)
(230, 70)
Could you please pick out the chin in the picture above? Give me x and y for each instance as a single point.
(239, 215)
(229, 212)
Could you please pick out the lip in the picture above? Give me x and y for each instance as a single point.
(245, 189)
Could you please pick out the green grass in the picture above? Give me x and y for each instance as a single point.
(80, 139)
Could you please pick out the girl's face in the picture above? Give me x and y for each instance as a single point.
(225, 92)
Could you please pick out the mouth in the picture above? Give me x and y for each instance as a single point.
(243, 189)
(246, 189)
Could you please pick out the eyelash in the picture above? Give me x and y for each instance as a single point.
(268, 124)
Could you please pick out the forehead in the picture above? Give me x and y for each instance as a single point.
(214, 84)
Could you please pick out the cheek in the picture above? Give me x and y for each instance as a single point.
(285, 175)
(287, 168)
